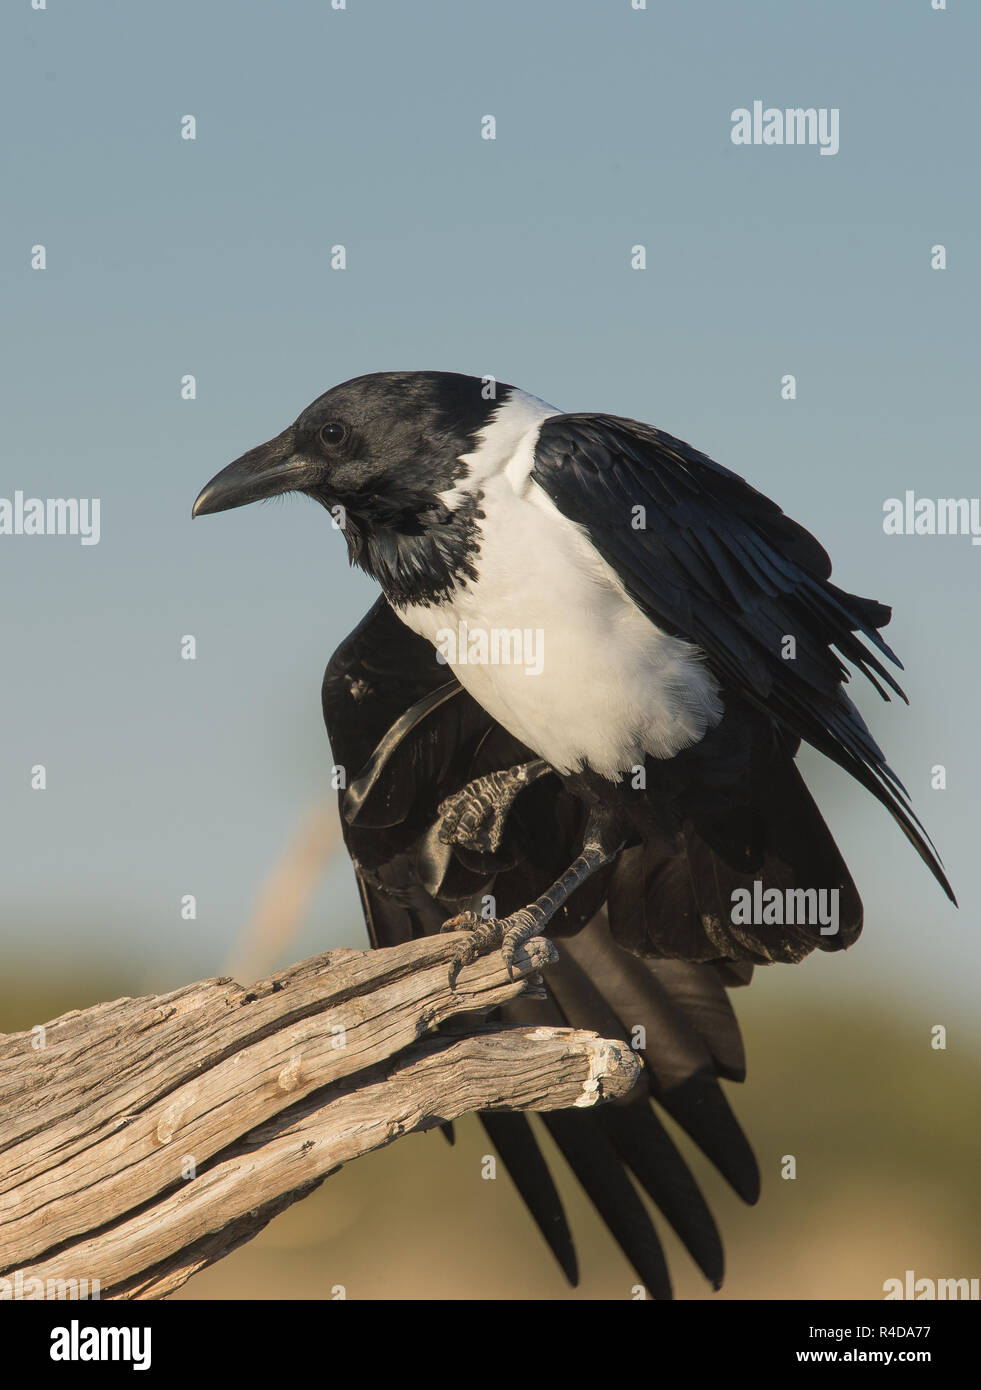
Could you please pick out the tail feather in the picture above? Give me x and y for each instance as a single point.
(517, 1147)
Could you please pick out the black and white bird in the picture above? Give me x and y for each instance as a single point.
(621, 789)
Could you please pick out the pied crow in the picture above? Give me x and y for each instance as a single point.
(578, 702)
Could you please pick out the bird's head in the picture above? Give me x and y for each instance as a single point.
(399, 459)
(382, 446)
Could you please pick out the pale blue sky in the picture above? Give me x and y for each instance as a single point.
(511, 257)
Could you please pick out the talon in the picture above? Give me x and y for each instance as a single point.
(463, 955)
(485, 934)
(507, 955)
(521, 928)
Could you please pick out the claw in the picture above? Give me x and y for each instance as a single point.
(521, 927)
(485, 934)
(507, 955)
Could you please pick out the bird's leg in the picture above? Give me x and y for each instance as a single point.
(475, 817)
(511, 932)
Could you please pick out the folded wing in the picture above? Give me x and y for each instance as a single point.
(710, 559)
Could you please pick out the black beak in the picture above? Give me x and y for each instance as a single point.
(265, 471)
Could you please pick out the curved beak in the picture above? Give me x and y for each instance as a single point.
(265, 471)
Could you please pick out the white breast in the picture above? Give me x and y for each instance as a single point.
(546, 639)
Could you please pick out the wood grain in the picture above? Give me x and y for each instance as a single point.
(143, 1139)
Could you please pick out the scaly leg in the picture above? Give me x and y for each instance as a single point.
(476, 816)
(511, 932)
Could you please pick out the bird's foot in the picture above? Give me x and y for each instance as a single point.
(488, 933)
(476, 816)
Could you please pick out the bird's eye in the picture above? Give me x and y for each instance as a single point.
(333, 433)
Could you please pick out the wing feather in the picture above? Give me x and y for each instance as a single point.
(719, 564)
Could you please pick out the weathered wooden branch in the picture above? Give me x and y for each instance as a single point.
(144, 1139)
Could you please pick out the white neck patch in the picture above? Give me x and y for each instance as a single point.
(497, 443)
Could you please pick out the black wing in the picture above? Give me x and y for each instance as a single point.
(408, 736)
(710, 559)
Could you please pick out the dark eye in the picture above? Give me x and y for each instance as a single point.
(333, 433)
